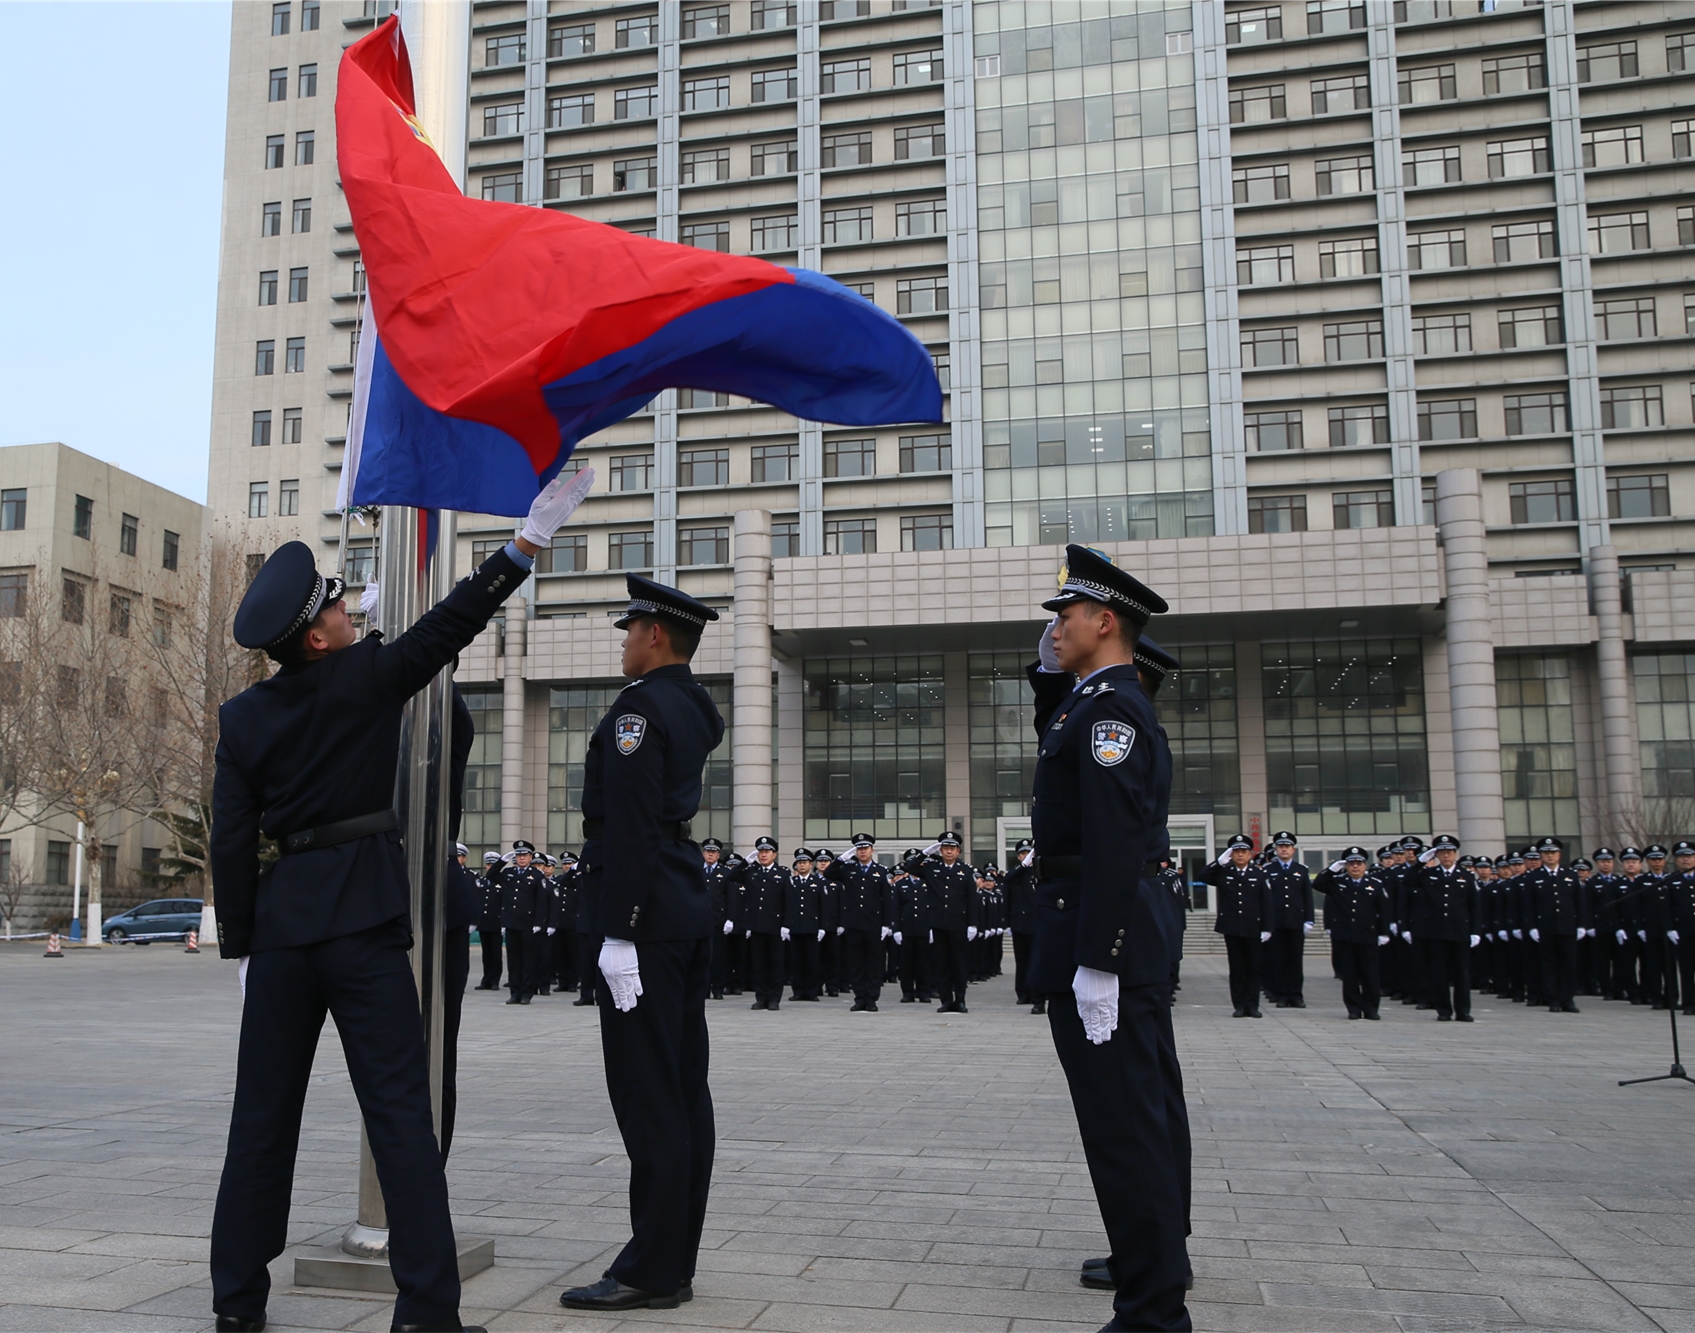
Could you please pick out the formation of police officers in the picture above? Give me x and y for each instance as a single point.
(1428, 926)
(821, 926)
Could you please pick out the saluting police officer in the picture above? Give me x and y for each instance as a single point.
(1356, 917)
(867, 919)
(308, 758)
(954, 916)
(717, 893)
(1243, 899)
(1290, 922)
(488, 920)
(523, 913)
(1442, 900)
(1101, 951)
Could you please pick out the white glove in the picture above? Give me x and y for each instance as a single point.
(1097, 1003)
(1642, 935)
(784, 932)
(1427, 856)
(971, 932)
(1265, 937)
(1045, 650)
(1518, 934)
(1394, 928)
(1672, 936)
(932, 849)
(1535, 935)
(1622, 936)
(932, 937)
(887, 931)
(1475, 941)
(840, 930)
(1502, 936)
(550, 930)
(1382, 939)
(241, 972)
(1027, 857)
(1306, 927)
(622, 970)
(556, 503)
(1407, 936)
(821, 937)
(368, 599)
(1223, 859)
(897, 937)
(535, 930)
(729, 927)
(1337, 867)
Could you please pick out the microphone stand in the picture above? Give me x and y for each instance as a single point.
(1670, 972)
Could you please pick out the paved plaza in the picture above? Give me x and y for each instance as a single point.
(900, 1171)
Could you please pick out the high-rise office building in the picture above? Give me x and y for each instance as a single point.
(1352, 324)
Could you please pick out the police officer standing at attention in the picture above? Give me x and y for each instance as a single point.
(803, 912)
(641, 787)
(955, 916)
(488, 920)
(1244, 907)
(1560, 910)
(567, 882)
(523, 912)
(868, 915)
(711, 852)
(1356, 917)
(1290, 923)
(1020, 888)
(762, 891)
(1101, 953)
(912, 933)
(308, 757)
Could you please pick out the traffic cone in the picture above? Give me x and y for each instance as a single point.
(53, 949)
(193, 942)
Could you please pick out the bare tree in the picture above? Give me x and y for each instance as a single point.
(12, 882)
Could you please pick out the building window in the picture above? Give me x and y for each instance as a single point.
(1277, 513)
(1448, 419)
(847, 225)
(706, 94)
(845, 76)
(707, 235)
(1272, 432)
(1430, 166)
(1250, 27)
(635, 103)
(270, 220)
(874, 749)
(775, 85)
(920, 296)
(480, 819)
(1665, 711)
(643, 30)
(129, 527)
(1677, 51)
(1519, 157)
(118, 615)
(850, 536)
(14, 592)
(291, 425)
(362, 562)
(278, 87)
(943, 361)
(275, 150)
(706, 21)
(1543, 501)
(1639, 497)
(917, 67)
(577, 39)
(1260, 185)
(926, 453)
(58, 863)
(1615, 233)
(279, 19)
(261, 430)
(1432, 83)
(358, 275)
(1263, 265)
(704, 165)
(630, 550)
(635, 173)
(687, 398)
(774, 233)
(288, 498)
(1535, 413)
(1350, 92)
(265, 357)
(632, 472)
(258, 499)
(1254, 106)
(502, 119)
(774, 159)
(914, 141)
(1610, 60)
(785, 536)
(308, 81)
(571, 182)
(507, 187)
(1334, 16)
(305, 146)
(1270, 347)
(507, 49)
(297, 285)
(775, 462)
(1631, 407)
(1622, 144)
(1538, 753)
(1347, 259)
(1531, 326)
(173, 543)
(294, 356)
(268, 287)
(769, 14)
(703, 546)
(82, 518)
(1441, 335)
(850, 458)
(1436, 249)
(921, 217)
(926, 532)
(1345, 736)
(1630, 317)
(1353, 340)
(565, 112)
(847, 150)
(569, 554)
(703, 467)
(1521, 242)
(73, 601)
(1362, 509)
(14, 507)
(1345, 175)
(1512, 74)
(308, 15)
(1364, 423)
(302, 216)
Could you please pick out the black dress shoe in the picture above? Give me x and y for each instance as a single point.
(611, 1294)
(483, 985)
(1572, 1009)
(580, 1001)
(1444, 1018)
(757, 1004)
(1255, 1013)
(909, 999)
(514, 1000)
(1097, 1279)
(1040, 1007)
(856, 1007)
(958, 1009)
(437, 1328)
(1282, 1004)
(1374, 1016)
(1297, 1003)
(871, 1006)
(718, 995)
(1353, 1013)
(231, 1323)
(1098, 1264)
(1464, 1018)
(525, 999)
(1239, 1012)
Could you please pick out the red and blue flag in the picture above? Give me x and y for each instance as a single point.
(498, 336)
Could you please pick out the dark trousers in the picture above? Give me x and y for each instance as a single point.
(656, 1063)
(1685, 948)
(719, 968)
(803, 964)
(862, 963)
(1447, 968)
(1559, 969)
(1284, 975)
(1415, 976)
(948, 964)
(1242, 951)
(455, 973)
(489, 933)
(564, 959)
(830, 962)
(735, 962)
(1021, 964)
(915, 963)
(1606, 962)
(1357, 964)
(588, 963)
(1121, 1093)
(891, 961)
(365, 982)
(765, 968)
(518, 951)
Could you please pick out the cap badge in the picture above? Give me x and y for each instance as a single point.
(1112, 742)
(629, 731)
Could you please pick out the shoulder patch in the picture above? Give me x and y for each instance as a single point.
(1112, 742)
(628, 732)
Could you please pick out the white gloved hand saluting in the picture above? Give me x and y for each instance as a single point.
(1045, 650)
(622, 970)
(1337, 867)
(556, 503)
(1097, 1003)
(932, 849)
(1223, 859)
(1027, 857)
(241, 973)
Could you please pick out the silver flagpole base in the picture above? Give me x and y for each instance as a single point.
(335, 1265)
(364, 1242)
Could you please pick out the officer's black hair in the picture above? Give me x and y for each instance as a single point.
(683, 637)
(292, 650)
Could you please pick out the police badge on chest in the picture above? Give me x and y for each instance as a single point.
(1111, 742)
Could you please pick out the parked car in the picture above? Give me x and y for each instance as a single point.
(161, 919)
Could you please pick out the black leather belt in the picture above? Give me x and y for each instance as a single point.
(345, 830)
(1071, 867)
(678, 830)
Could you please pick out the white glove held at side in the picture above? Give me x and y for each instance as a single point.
(1045, 650)
(784, 932)
(1535, 935)
(1382, 940)
(821, 937)
(622, 970)
(1306, 927)
(887, 931)
(241, 973)
(556, 503)
(729, 927)
(1621, 936)
(897, 937)
(971, 932)
(1097, 1003)
(1265, 937)
(1407, 936)
(1672, 936)
(1475, 941)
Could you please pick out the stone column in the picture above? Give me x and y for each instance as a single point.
(512, 725)
(1621, 745)
(1471, 659)
(750, 815)
(1250, 745)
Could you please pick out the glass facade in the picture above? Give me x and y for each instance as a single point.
(1665, 717)
(874, 750)
(1197, 708)
(1344, 737)
(479, 828)
(1003, 747)
(1096, 423)
(1538, 754)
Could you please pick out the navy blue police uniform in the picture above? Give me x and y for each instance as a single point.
(488, 920)
(762, 891)
(867, 913)
(523, 915)
(1153, 665)
(912, 929)
(1020, 886)
(954, 909)
(716, 893)
(1444, 916)
(1560, 906)
(803, 914)
(308, 758)
(1290, 922)
(1356, 917)
(1242, 896)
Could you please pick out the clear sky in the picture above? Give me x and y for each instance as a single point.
(111, 176)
